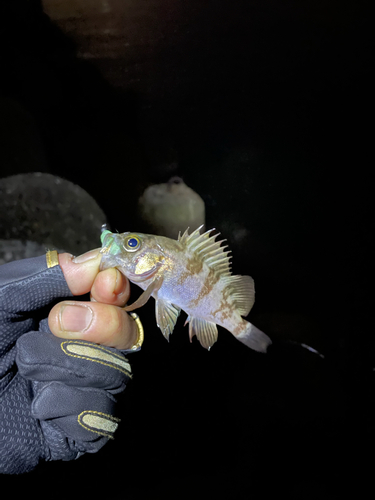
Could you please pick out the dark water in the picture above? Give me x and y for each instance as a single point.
(261, 107)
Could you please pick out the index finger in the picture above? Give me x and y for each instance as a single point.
(80, 272)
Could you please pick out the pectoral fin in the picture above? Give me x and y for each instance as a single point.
(166, 316)
(205, 331)
(142, 299)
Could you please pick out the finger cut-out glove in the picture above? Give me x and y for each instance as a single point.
(57, 397)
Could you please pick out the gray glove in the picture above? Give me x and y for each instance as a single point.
(56, 396)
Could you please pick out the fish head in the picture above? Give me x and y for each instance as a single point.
(138, 256)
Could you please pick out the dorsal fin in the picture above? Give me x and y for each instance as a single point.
(186, 237)
(208, 249)
(241, 292)
(240, 289)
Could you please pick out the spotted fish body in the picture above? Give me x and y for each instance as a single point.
(191, 273)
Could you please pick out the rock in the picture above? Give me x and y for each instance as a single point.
(17, 249)
(42, 212)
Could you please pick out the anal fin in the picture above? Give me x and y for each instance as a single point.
(205, 331)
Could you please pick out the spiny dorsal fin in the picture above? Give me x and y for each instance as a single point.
(241, 292)
(212, 253)
(186, 237)
(182, 238)
(240, 289)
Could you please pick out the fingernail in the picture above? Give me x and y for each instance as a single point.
(75, 317)
(92, 254)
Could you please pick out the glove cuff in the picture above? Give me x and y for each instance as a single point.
(21, 439)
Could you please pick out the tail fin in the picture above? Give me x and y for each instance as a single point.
(254, 338)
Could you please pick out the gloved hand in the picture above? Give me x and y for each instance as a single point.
(57, 395)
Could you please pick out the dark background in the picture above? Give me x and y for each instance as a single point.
(263, 108)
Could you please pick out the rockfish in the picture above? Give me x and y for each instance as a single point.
(191, 273)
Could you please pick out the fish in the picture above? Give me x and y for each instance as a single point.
(193, 274)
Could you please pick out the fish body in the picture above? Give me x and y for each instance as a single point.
(191, 274)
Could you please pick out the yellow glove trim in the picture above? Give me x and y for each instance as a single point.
(97, 354)
(98, 422)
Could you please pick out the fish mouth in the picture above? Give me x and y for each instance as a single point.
(138, 278)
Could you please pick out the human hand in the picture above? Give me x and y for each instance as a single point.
(100, 320)
(57, 395)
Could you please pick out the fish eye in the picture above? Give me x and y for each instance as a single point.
(132, 243)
